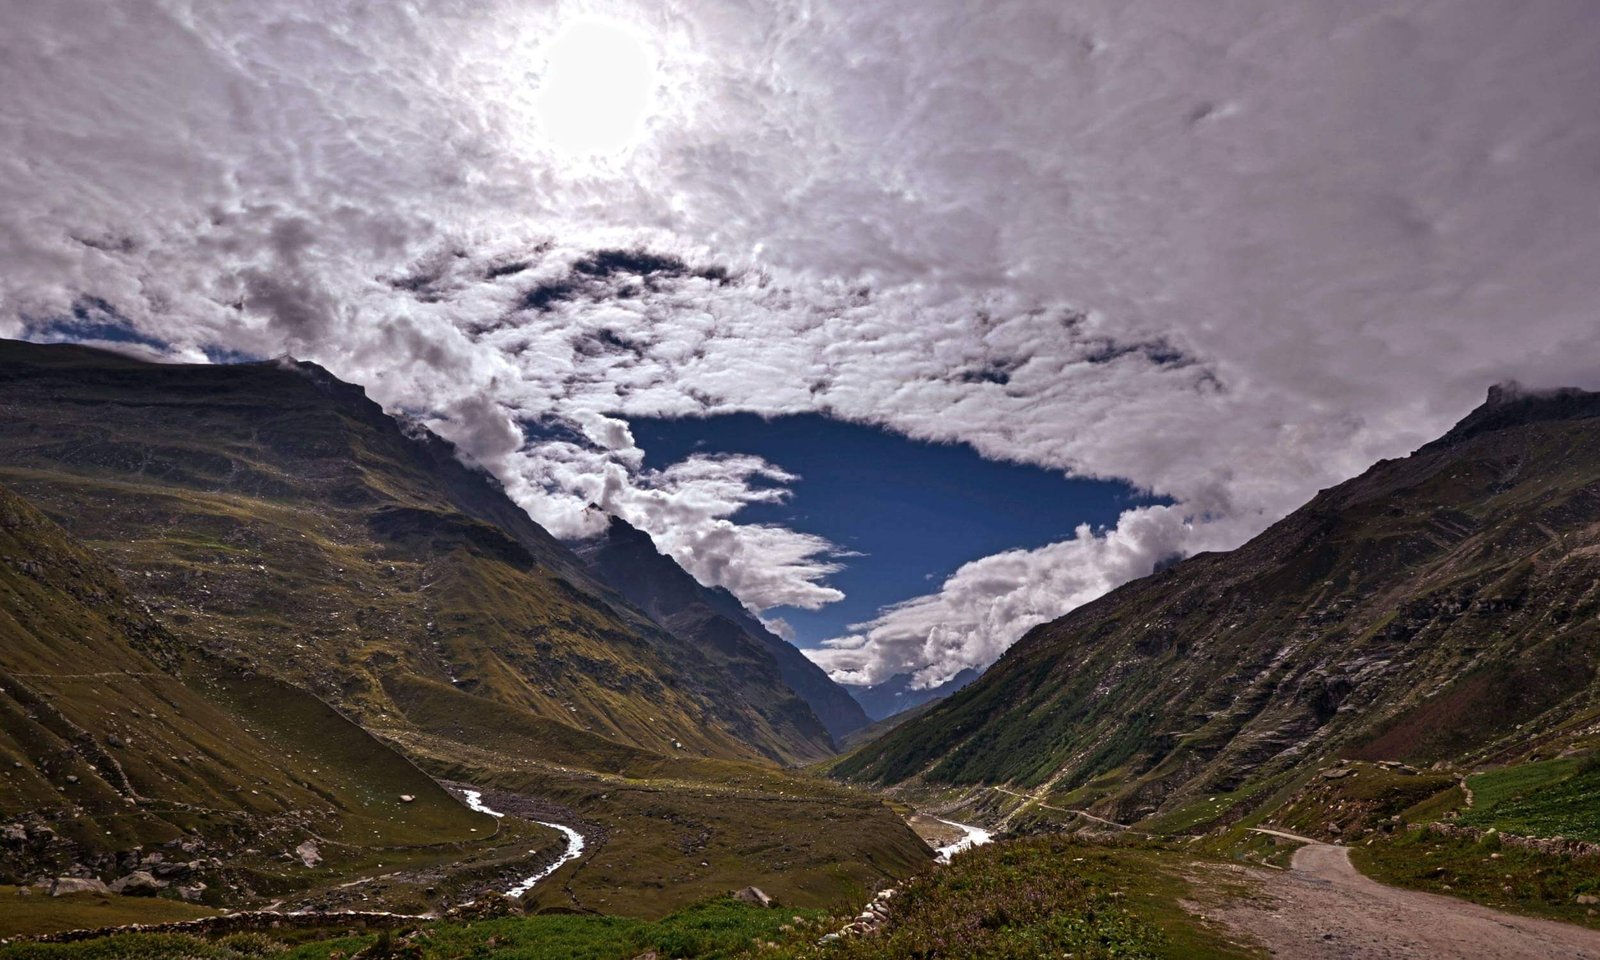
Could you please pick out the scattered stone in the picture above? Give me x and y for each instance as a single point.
(139, 883)
(308, 853)
(1588, 899)
(406, 798)
(62, 886)
(756, 897)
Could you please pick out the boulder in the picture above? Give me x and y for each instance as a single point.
(308, 853)
(755, 897)
(139, 883)
(62, 886)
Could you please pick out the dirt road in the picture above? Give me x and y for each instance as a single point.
(1323, 909)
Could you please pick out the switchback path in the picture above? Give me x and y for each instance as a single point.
(1322, 908)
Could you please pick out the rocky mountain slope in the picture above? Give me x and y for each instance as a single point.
(283, 559)
(281, 518)
(1445, 606)
(714, 619)
(114, 737)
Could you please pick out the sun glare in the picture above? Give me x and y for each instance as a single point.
(596, 88)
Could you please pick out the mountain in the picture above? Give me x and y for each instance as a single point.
(626, 559)
(282, 519)
(314, 610)
(112, 736)
(1445, 606)
(886, 698)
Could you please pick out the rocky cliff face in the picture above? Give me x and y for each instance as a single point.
(712, 618)
(1443, 606)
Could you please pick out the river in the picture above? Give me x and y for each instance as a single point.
(574, 849)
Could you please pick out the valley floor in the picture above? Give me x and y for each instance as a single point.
(1322, 908)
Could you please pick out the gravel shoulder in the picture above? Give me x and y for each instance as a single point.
(1322, 908)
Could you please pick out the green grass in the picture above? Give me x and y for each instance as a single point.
(34, 912)
(1546, 799)
(1021, 899)
(1487, 872)
(706, 931)
(1037, 897)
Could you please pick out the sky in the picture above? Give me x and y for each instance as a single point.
(904, 514)
(1220, 255)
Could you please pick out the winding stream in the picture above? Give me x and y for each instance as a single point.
(971, 837)
(574, 849)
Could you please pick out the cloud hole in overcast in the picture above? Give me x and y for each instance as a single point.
(1230, 254)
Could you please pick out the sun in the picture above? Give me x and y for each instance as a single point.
(596, 89)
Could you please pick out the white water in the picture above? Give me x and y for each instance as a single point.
(574, 843)
(971, 837)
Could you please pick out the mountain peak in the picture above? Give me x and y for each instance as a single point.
(1510, 404)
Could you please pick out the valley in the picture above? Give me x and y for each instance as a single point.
(278, 665)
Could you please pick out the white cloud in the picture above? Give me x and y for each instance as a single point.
(1229, 254)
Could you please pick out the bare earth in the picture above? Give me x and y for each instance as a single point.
(1322, 908)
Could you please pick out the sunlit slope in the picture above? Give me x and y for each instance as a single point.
(112, 737)
(1443, 606)
(278, 516)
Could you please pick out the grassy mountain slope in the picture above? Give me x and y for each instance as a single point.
(713, 619)
(113, 737)
(1439, 607)
(289, 539)
(283, 519)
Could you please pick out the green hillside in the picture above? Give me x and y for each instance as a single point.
(1442, 607)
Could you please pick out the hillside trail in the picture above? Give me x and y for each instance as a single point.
(1322, 908)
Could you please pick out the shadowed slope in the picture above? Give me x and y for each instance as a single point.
(713, 619)
(1443, 606)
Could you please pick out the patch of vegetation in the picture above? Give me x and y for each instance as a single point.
(1546, 799)
(32, 913)
(1488, 872)
(1038, 897)
(707, 931)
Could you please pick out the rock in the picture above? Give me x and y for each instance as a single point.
(755, 896)
(138, 884)
(1588, 899)
(173, 870)
(14, 834)
(308, 853)
(406, 798)
(192, 892)
(62, 886)
(72, 778)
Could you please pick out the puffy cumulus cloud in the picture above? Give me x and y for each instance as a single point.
(1230, 254)
(987, 604)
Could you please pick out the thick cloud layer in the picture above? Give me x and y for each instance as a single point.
(1229, 252)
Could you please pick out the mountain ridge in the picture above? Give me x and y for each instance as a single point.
(1421, 611)
(627, 559)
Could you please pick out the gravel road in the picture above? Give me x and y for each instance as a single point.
(1322, 908)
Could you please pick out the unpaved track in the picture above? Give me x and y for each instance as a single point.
(1322, 908)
